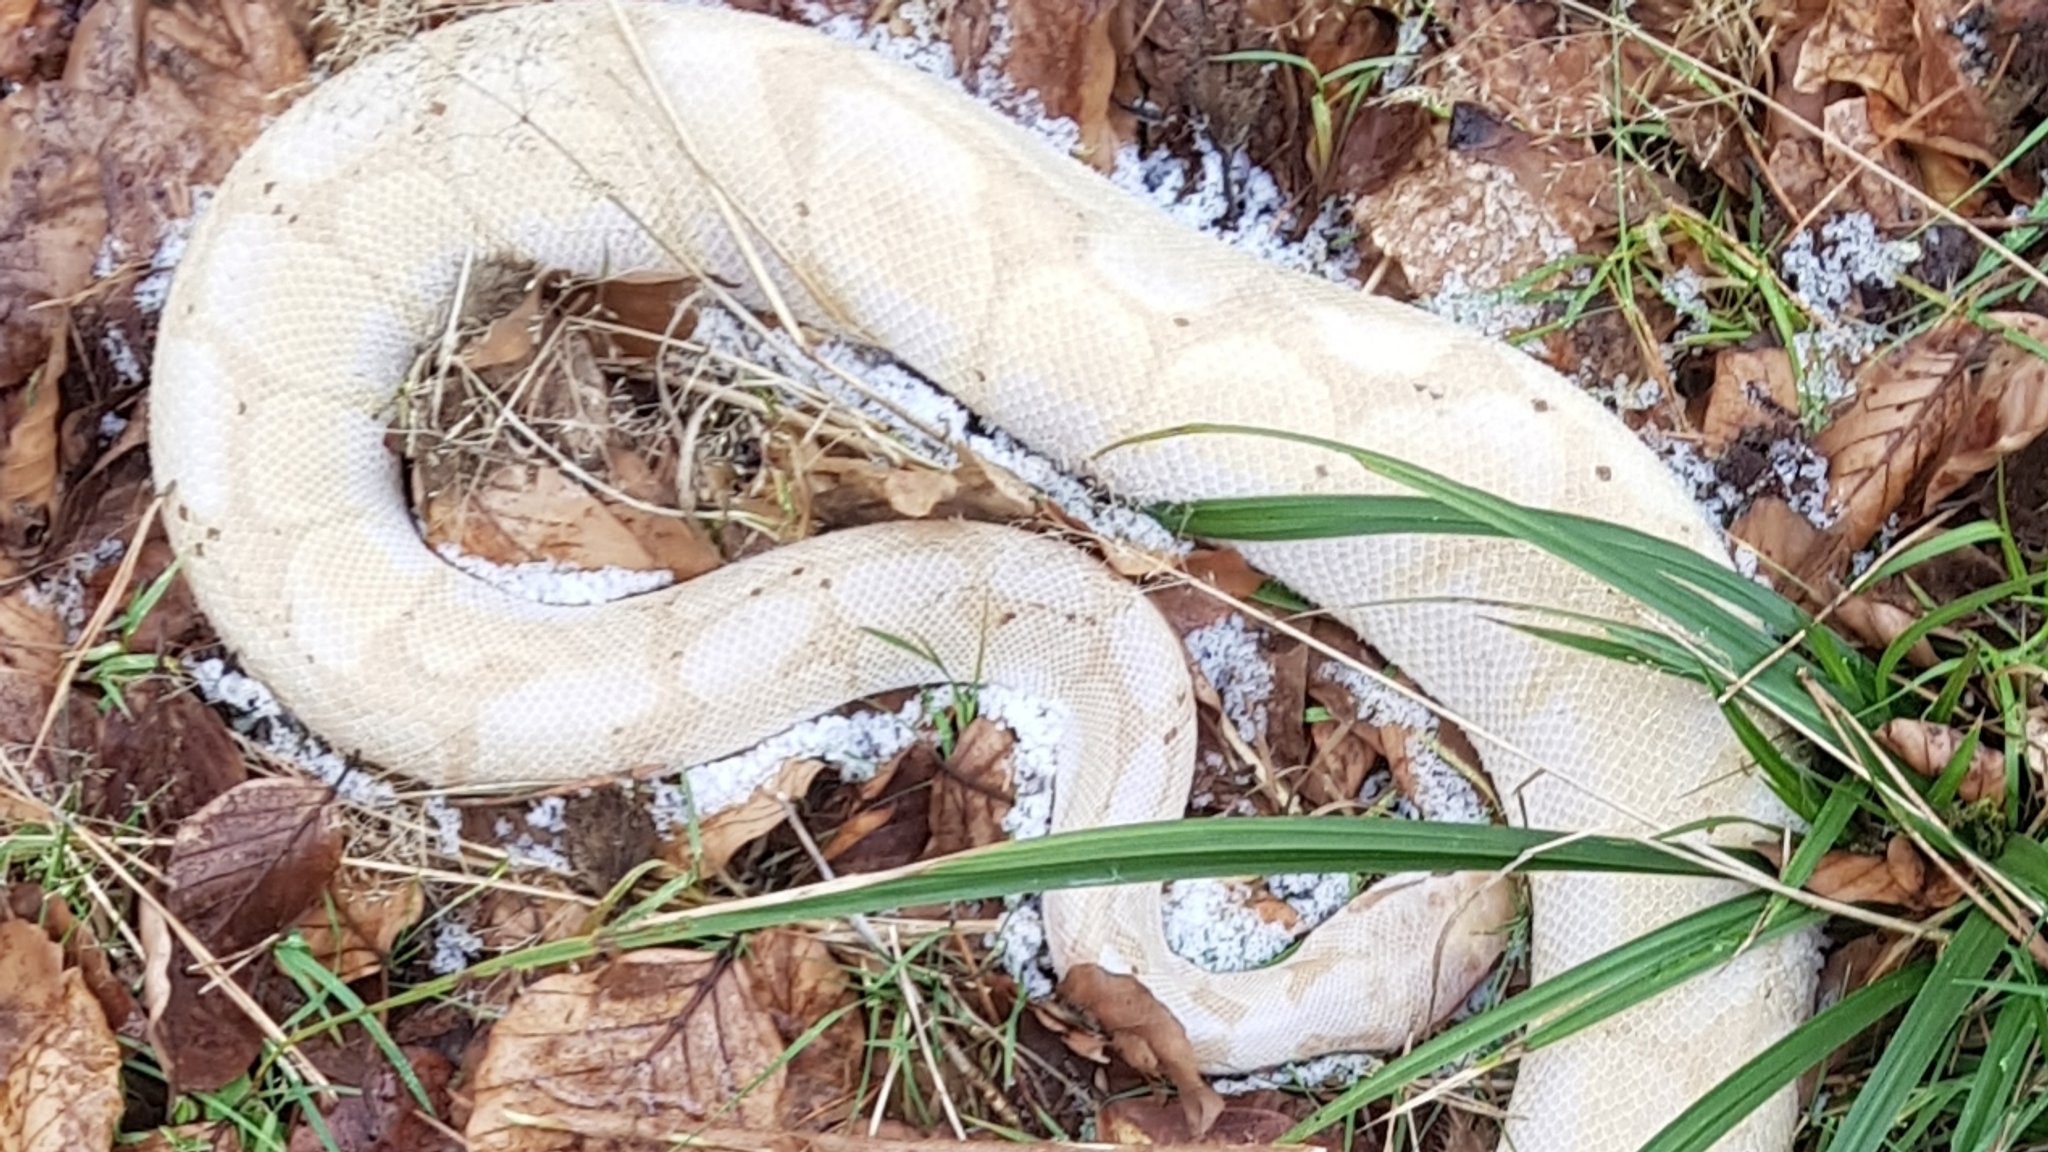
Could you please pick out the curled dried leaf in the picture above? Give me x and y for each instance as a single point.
(971, 794)
(1146, 1035)
(1928, 748)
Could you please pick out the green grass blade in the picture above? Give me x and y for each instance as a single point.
(1721, 1109)
(1612, 981)
(1985, 1110)
(1922, 1036)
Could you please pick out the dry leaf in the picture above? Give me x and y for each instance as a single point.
(60, 1069)
(164, 759)
(1146, 1035)
(727, 831)
(800, 984)
(1227, 570)
(848, 492)
(1877, 623)
(353, 929)
(29, 452)
(1064, 51)
(31, 651)
(382, 1115)
(642, 1049)
(893, 825)
(523, 513)
(1900, 878)
(116, 145)
(241, 869)
(1894, 430)
(510, 339)
(82, 951)
(1928, 748)
(1754, 391)
(971, 794)
(1867, 43)
(2005, 410)
(31, 32)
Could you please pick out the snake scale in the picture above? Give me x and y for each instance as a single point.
(889, 208)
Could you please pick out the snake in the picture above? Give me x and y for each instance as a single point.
(875, 203)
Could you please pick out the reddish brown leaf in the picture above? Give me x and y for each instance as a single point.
(1878, 622)
(165, 758)
(1227, 569)
(971, 794)
(2003, 413)
(1146, 1035)
(642, 1048)
(242, 868)
(248, 864)
(382, 1115)
(1063, 50)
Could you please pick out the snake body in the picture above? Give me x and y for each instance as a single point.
(887, 207)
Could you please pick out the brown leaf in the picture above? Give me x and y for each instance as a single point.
(1900, 877)
(31, 32)
(1867, 43)
(1928, 748)
(523, 513)
(165, 758)
(353, 929)
(1878, 622)
(727, 831)
(382, 1115)
(241, 869)
(31, 651)
(1895, 429)
(1064, 50)
(510, 339)
(152, 103)
(81, 946)
(29, 452)
(248, 864)
(60, 1069)
(799, 984)
(894, 823)
(1146, 1035)
(637, 1050)
(971, 794)
(852, 492)
(1753, 390)
(2005, 410)
(1227, 569)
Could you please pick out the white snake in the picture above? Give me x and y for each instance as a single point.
(895, 210)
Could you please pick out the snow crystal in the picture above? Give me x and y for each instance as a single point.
(257, 714)
(455, 945)
(1824, 274)
(549, 582)
(1230, 658)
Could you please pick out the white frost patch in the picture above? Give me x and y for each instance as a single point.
(548, 582)
(1492, 312)
(1231, 659)
(1335, 1070)
(455, 945)
(60, 589)
(257, 715)
(525, 850)
(1209, 923)
(447, 824)
(1825, 274)
(856, 746)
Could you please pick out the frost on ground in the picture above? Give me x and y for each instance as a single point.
(1230, 659)
(61, 587)
(548, 582)
(1825, 274)
(255, 713)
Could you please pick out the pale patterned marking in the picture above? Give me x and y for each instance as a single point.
(745, 651)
